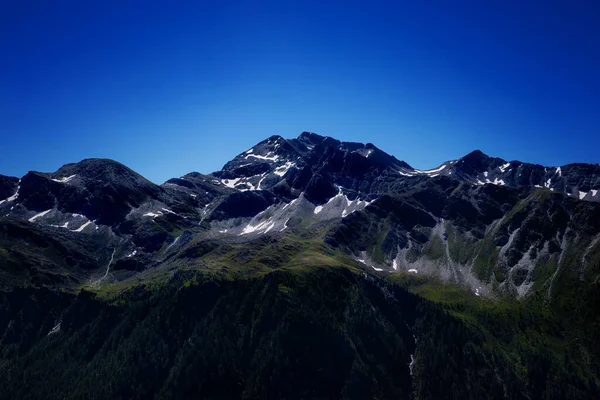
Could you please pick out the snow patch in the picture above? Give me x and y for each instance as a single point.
(431, 171)
(496, 181)
(377, 269)
(582, 195)
(270, 227)
(260, 181)
(39, 215)
(558, 171)
(153, 215)
(283, 169)
(13, 197)
(265, 226)
(395, 265)
(65, 180)
(414, 271)
(340, 194)
(172, 244)
(82, 227)
(274, 158)
(406, 174)
(251, 186)
(133, 253)
(503, 167)
(54, 330)
(230, 183)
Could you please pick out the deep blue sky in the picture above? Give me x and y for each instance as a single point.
(168, 89)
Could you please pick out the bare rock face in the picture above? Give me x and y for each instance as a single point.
(478, 220)
(8, 186)
(304, 268)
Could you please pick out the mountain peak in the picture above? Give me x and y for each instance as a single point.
(476, 154)
(273, 138)
(310, 135)
(103, 169)
(88, 163)
(310, 139)
(475, 159)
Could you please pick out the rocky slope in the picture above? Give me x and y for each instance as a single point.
(306, 247)
(481, 221)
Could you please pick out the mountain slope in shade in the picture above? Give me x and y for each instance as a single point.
(492, 238)
(577, 180)
(310, 163)
(8, 188)
(305, 268)
(315, 182)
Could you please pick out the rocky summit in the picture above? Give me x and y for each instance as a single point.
(304, 268)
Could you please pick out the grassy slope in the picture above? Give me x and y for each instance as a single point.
(232, 320)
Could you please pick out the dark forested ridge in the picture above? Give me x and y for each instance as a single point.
(326, 333)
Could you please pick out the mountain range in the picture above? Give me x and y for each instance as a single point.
(327, 265)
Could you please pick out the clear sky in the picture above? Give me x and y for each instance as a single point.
(170, 88)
